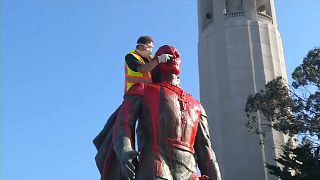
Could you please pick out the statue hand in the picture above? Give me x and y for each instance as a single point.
(127, 167)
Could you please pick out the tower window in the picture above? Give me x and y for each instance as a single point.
(209, 16)
(233, 6)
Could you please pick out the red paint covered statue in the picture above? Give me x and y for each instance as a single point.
(172, 132)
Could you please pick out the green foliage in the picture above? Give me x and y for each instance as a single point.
(274, 103)
(299, 163)
(308, 73)
(293, 110)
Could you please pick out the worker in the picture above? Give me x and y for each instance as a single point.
(139, 62)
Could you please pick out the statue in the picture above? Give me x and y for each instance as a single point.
(172, 131)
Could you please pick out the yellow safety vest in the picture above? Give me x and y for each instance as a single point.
(132, 77)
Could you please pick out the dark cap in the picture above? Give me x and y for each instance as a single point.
(144, 40)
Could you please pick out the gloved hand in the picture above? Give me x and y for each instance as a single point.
(127, 167)
(163, 58)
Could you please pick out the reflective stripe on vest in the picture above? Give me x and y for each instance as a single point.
(132, 77)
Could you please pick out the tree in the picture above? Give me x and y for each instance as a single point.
(293, 110)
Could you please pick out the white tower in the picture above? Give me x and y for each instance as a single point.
(240, 50)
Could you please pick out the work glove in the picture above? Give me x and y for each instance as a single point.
(127, 167)
(163, 58)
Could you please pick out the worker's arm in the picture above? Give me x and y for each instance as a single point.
(135, 65)
(163, 58)
(148, 66)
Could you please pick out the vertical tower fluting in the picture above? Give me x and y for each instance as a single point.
(239, 51)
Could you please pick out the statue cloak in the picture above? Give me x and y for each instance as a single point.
(106, 159)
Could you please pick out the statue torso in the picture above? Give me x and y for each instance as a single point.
(167, 128)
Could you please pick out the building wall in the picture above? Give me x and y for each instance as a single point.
(238, 53)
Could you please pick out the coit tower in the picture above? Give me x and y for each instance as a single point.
(240, 50)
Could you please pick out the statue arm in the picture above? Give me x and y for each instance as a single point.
(206, 158)
(124, 128)
(124, 134)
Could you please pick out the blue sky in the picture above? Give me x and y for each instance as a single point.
(62, 71)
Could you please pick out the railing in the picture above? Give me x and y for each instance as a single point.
(265, 16)
(234, 14)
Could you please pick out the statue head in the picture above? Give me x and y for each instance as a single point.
(171, 68)
(172, 65)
